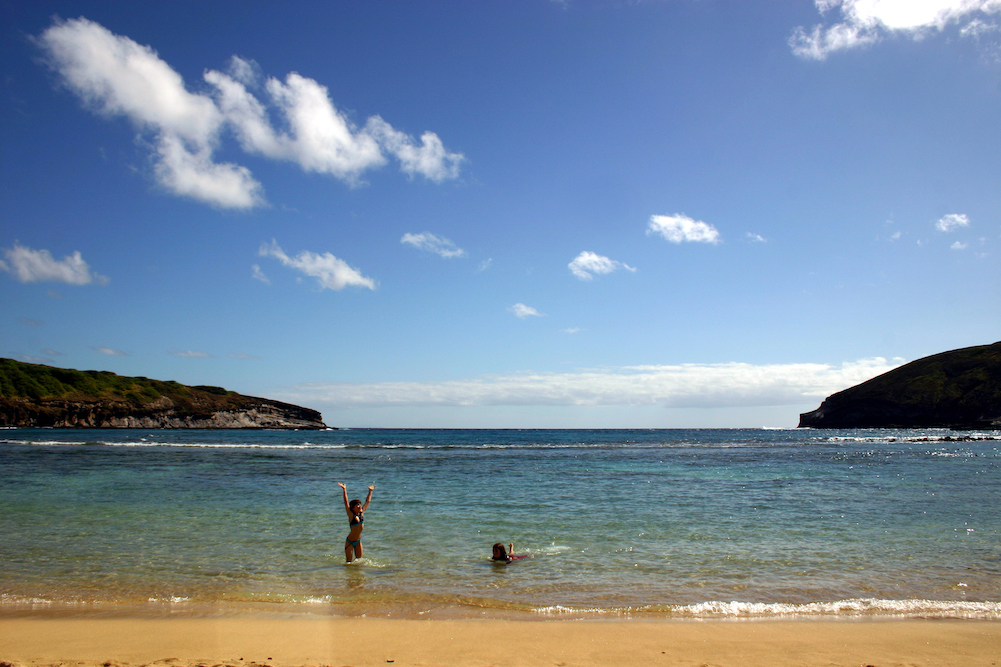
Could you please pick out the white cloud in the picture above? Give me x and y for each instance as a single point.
(679, 227)
(757, 238)
(431, 243)
(195, 175)
(958, 245)
(118, 77)
(485, 264)
(319, 137)
(29, 359)
(865, 22)
(31, 266)
(681, 386)
(951, 222)
(586, 264)
(110, 351)
(190, 354)
(430, 159)
(330, 272)
(522, 311)
(258, 274)
(242, 356)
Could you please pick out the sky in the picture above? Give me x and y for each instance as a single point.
(518, 214)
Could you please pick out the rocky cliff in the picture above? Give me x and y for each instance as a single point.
(957, 389)
(36, 395)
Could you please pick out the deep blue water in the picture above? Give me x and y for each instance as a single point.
(662, 522)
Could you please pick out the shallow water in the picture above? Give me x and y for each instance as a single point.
(688, 523)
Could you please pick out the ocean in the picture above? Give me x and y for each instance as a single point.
(707, 523)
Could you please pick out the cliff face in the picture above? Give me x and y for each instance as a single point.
(40, 396)
(957, 389)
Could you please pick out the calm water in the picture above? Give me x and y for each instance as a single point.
(678, 523)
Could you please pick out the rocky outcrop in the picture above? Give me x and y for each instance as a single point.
(254, 413)
(960, 389)
(39, 396)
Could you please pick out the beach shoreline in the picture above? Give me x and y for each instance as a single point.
(289, 640)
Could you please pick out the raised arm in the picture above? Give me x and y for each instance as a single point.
(347, 507)
(368, 498)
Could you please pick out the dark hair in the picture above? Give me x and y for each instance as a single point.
(354, 503)
(503, 552)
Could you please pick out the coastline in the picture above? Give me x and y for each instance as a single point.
(284, 640)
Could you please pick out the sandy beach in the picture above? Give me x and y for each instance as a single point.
(360, 642)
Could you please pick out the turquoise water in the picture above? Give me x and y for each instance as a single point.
(686, 523)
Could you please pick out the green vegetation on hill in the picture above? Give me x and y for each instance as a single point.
(36, 395)
(22, 380)
(959, 388)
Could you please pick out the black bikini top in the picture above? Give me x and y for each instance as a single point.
(356, 519)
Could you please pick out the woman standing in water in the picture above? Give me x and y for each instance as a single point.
(356, 520)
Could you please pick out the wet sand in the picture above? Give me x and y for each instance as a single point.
(360, 642)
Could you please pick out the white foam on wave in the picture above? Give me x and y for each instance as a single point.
(945, 437)
(365, 562)
(851, 607)
(6, 598)
(558, 609)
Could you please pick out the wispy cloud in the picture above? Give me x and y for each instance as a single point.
(485, 264)
(679, 228)
(865, 22)
(330, 272)
(30, 266)
(30, 322)
(242, 356)
(522, 311)
(110, 351)
(190, 354)
(587, 264)
(116, 76)
(756, 238)
(959, 245)
(257, 274)
(952, 222)
(431, 243)
(30, 359)
(681, 386)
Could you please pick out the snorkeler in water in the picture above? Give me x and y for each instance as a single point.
(502, 555)
(356, 521)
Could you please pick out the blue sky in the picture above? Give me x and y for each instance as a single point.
(684, 213)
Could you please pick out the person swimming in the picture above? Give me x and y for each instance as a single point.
(506, 555)
(356, 523)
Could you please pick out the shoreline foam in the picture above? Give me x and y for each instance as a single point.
(713, 610)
